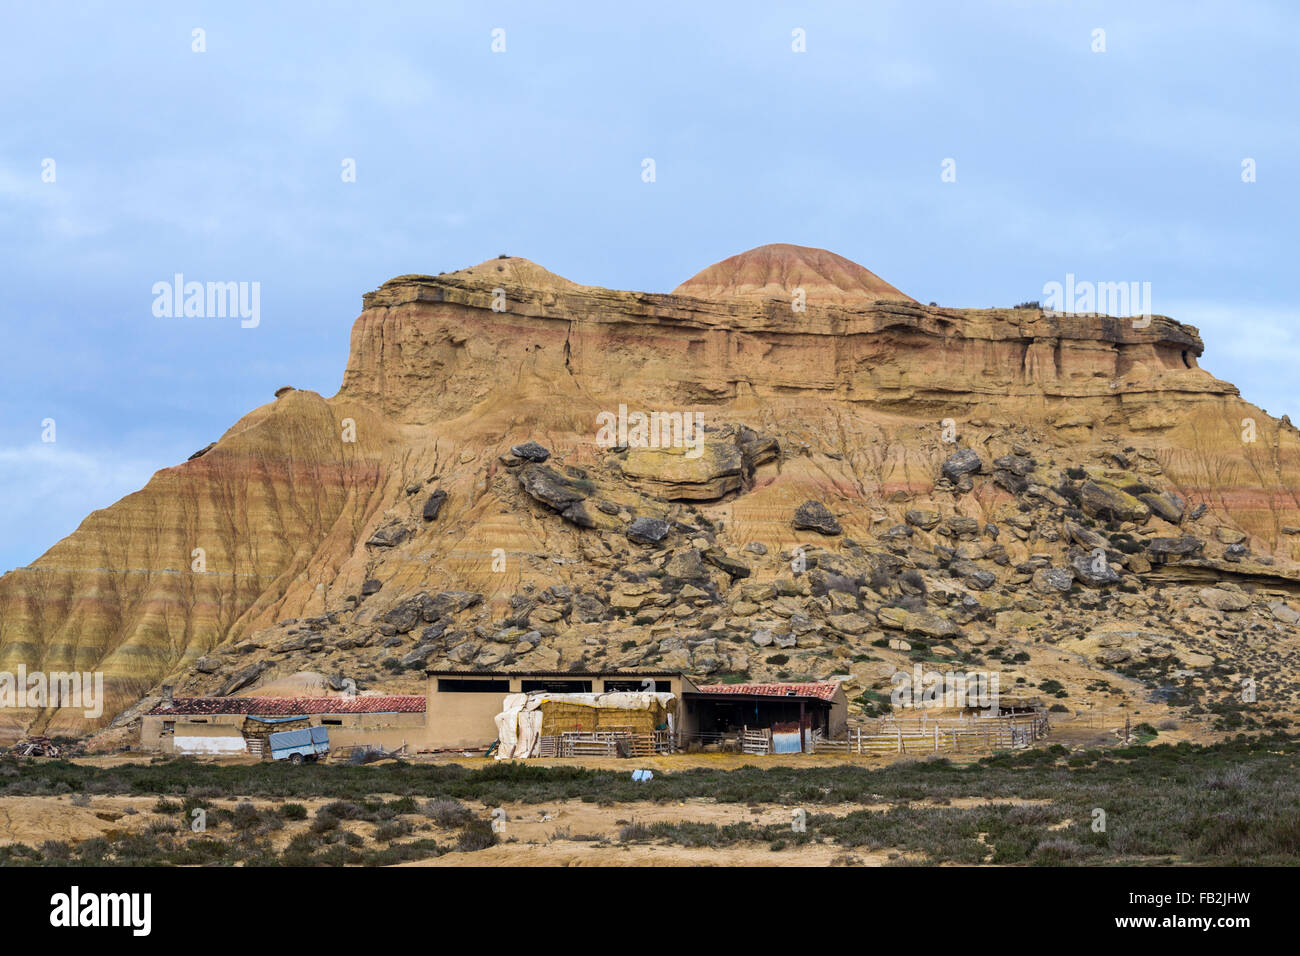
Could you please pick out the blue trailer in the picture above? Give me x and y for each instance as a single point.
(309, 743)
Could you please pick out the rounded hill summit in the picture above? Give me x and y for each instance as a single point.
(777, 269)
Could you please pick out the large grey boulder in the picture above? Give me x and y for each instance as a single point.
(963, 462)
(530, 451)
(647, 531)
(815, 516)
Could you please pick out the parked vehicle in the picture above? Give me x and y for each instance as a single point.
(308, 743)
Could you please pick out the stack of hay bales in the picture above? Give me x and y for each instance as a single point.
(563, 716)
(261, 729)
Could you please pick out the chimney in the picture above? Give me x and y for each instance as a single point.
(166, 696)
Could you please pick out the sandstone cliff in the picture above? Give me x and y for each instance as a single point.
(392, 526)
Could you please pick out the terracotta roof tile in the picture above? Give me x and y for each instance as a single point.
(290, 706)
(823, 689)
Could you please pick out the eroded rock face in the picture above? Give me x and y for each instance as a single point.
(1076, 432)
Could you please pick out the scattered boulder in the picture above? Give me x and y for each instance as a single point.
(403, 617)
(582, 514)
(1226, 535)
(1084, 537)
(242, 678)
(717, 463)
(1053, 580)
(927, 623)
(1164, 505)
(389, 536)
(925, 520)
(434, 505)
(686, 565)
(1114, 655)
(959, 526)
(815, 516)
(531, 451)
(849, 623)
(202, 451)
(647, 531)
(1284, 612)
(418, 657)
(545, 484)
(1235, 552)
(721, 560)
(1107, 502)
(964, 462)
(1017, 465)
(1164, 550)
(1010, 481)
(1093, 569)
(1221, 600)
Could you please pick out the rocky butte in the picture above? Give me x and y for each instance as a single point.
(1065, 498)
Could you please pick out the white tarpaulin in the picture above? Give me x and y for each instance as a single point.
(519, 725)
(209, 740)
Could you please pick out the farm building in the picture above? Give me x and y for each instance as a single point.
(222, 725)
(463, 705)
(562, 712)
(791, 712)
(619, 723)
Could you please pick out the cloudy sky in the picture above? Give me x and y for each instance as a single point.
(226, 165)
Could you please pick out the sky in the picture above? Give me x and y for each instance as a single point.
(222, 155)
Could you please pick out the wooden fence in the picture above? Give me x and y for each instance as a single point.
(615, 742)
(935, 735)
(758, 741)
